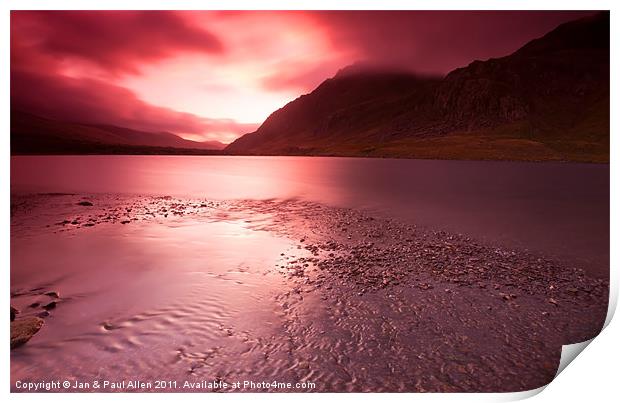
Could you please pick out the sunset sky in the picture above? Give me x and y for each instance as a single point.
(216, 75)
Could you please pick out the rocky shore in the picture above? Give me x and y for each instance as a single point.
(375, 304)
(25, 323)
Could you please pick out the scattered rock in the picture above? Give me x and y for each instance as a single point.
(507, 297)
(108, 326)
(14, 312)
(50, 306)
(53, 294)
(384, 254)
(23, 329)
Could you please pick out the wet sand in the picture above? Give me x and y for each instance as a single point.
(287, 291)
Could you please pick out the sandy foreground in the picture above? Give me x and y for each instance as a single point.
(187, 290)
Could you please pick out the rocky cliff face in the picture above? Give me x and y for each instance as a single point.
(482, 94)
(562, 71)
(551, 93)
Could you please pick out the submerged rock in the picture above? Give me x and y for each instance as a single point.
(23, 329)
(53, 294)
(49, 306)
(13, 313)
(84, 203)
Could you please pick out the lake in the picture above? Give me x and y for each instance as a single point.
(328, 274)
(559, 209)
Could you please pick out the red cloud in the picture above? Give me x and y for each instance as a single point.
(116, 41)
(59, 59)
(94, 101)
(436, 42)
(45, 43)
(424, 42)
(299, 78)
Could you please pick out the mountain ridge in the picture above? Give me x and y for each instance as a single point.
(549, 100)
(31, 134)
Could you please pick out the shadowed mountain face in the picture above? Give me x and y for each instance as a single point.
(35, 135)
(547, 101)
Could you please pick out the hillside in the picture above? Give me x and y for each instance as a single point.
(32, 134)
(548, 100)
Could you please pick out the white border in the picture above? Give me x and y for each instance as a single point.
(594, 374)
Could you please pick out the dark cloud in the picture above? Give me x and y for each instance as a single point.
(64, 64)
(117, 41)
(438, 41)
(94, 101)
(425, 42)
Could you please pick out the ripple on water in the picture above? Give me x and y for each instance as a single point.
(196, 297)
(174, 302)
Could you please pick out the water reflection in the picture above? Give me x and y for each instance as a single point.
(556, 208)
(186, 289)
(154, 301)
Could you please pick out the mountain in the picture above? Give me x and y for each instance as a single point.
(359, 103)
(549, 100)
(32, 134)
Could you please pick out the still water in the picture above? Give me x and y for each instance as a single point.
(558, 209)
(189, 269)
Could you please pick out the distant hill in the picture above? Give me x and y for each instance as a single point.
(548, 100)
(32, 134)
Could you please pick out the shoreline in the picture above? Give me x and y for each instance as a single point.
(217, 153)
(443, 311)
